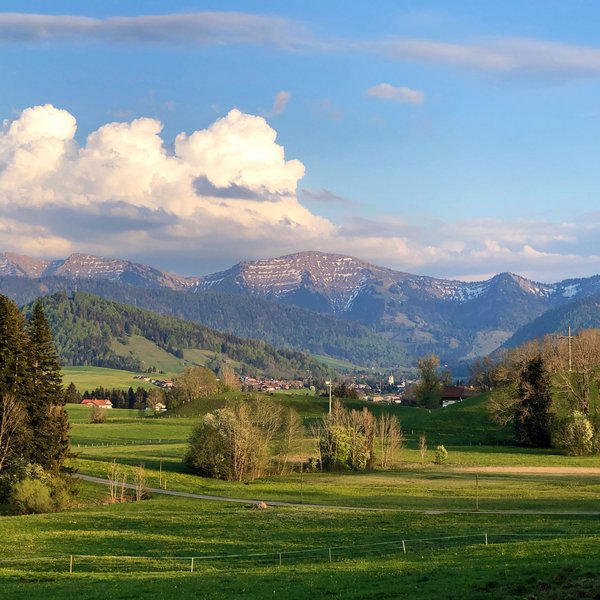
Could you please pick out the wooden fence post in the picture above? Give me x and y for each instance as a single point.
(403, 546)
(192, 565)
(71, 565)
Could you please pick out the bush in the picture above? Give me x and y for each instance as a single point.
(576, 435)
(30, 496)
(441, 455)
(21, 485)
(97, 414)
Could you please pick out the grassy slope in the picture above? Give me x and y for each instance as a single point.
(180, 527)
(175, 527)
(148, 353)
(89, 378)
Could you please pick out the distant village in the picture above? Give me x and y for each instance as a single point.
(387, 391)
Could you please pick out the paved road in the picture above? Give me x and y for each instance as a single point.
(336, 507)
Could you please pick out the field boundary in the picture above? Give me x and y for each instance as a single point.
(94, 563)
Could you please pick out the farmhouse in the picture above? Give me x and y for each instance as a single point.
(456, 393)
(97, 402)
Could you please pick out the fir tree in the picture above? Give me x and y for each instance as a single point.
(14, 365)
(72, 395)
(48, 418)
(533, 418)
(15, 379)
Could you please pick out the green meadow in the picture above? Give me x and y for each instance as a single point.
(89, 378)
(542, 528)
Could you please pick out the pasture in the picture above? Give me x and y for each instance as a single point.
(89, 378)
(539, 512)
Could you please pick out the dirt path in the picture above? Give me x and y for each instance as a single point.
(531, 470)
(345, 508)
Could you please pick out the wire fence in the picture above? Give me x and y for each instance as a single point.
(130, 442)
(89, 563)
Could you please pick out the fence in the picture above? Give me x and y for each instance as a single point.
(129, 442)
(86, 563)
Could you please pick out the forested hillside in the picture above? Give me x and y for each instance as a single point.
(244, 316)
(85, 329)
(579, 315)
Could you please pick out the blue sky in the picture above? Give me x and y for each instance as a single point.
(455, 139)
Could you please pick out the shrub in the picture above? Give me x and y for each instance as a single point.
(30, 496)
(576, 435)
(441, 455)
(97, 414)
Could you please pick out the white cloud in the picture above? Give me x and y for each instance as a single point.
(406, 95)
(280, 103)
(507, 55)
(227, 193)
(205, 28)
(125, 176)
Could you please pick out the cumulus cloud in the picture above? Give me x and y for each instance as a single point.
(229, 181)
(401, 94)
(226, 193)
(282, 99)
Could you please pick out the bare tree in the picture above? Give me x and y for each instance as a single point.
(484, 373)
(113, 473)
(155, 397)
(229, 380)
(390, 438)
(139, 481)
(12, 420)
(577, 368)
(97, 414)
(422, 448)
(196, 382)
(292, 431)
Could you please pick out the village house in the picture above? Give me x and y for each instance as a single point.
(97, 402)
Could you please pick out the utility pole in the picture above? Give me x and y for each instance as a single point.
(569, 337)
(330, 384)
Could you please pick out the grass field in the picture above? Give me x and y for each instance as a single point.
(148, 353)
(284, 551)
(89, 378)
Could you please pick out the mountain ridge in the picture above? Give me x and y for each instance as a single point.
(456, 319)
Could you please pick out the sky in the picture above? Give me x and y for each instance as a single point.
(456, 139)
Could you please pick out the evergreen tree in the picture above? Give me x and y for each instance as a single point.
(15, 378)
(533, 416)
(15, 374)
(72, 396)
(48, 419)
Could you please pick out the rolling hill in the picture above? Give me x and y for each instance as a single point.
(92, 331)
(244, 316)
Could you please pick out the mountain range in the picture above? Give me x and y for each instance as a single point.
(458, 320)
